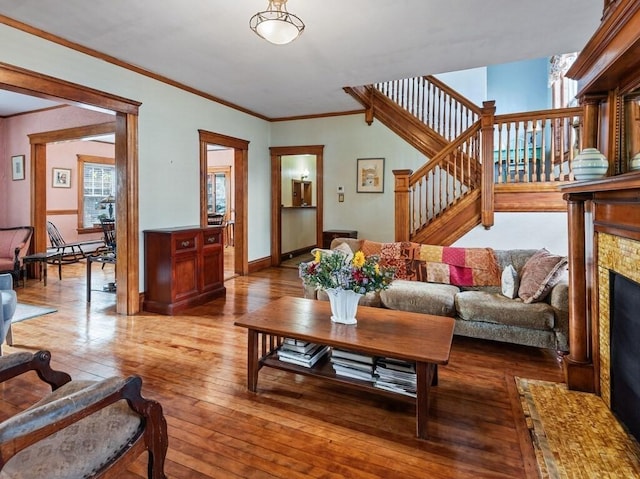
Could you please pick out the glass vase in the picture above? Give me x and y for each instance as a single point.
(344, 305)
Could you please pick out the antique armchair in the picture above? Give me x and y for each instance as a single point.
(83, 429)
(14, 245)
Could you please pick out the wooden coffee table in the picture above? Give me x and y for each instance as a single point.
(422, 338)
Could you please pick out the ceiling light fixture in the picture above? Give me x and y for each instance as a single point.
(276, 25)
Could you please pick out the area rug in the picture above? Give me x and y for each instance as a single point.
(575, 435)
(29, 311)
(296, 260)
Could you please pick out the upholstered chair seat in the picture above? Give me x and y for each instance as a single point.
(83, 429)
(9, 303)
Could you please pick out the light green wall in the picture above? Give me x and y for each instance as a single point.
(168, 135)
(345, 139)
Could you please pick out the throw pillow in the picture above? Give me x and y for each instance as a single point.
(539, 274)
(510, 282)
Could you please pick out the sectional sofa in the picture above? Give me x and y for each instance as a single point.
(518, 296)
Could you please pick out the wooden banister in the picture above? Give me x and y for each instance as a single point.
(487, 120)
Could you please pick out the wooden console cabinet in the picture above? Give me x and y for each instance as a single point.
(183, 268)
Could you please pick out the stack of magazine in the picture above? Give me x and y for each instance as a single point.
(396, 375)
(302, 353)
(353, 365)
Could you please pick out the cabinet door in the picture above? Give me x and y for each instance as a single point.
(185, 267)
(212, 260)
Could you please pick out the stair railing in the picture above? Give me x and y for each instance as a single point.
(445, 180)
(434, 103)
(536, 146)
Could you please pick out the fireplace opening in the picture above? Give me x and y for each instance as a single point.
(625, 351)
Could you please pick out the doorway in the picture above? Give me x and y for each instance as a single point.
(278, 208)
(221, 206)
(126, 160)
(230, 179)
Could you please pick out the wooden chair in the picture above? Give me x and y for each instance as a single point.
(70, 252)
(83, 429)
(109, 232)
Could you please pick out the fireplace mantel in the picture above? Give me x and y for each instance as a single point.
(609, 206)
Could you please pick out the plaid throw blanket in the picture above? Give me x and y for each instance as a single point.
(438, 264)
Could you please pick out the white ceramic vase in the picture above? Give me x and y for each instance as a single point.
(344, 305)
(634, 163)
(589, 164)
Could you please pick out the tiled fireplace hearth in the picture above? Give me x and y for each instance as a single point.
(604, 238)
(622, 256)
(619, 327)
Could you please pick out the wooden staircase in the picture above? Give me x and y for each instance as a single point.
(478, 163)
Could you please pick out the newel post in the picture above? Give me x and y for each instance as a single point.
(487, 120)
(402, 199)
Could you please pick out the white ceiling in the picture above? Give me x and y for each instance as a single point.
(207, 44)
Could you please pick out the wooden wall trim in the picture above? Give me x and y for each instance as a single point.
(61, 212)
(241, 189)
(43, 86)
(259, 264)
(276, 192)
(612, 54)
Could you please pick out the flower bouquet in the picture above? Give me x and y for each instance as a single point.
(345, 277)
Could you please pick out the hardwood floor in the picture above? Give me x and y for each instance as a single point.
(294, 427)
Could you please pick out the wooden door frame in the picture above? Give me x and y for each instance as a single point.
(277, 152)
(240, 192)
(126, 159)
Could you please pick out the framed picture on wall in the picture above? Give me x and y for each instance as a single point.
(61, 178)
(17, 167)
(370, 177)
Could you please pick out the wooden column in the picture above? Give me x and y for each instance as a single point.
(402, 205)
(487, 120)
(590, 129)
(579, 370)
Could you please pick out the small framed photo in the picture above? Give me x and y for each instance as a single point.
(61, 178)
(370, 177)
(17, 167)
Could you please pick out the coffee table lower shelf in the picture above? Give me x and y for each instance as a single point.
(426, 375)
(324, 370)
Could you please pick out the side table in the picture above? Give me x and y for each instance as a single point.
(43, 259)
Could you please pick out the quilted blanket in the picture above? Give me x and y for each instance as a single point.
(461, 266)
(438, 264)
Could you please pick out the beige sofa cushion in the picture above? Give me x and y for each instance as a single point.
(498, 309)
(419, 297)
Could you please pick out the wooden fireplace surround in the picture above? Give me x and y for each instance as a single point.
(608, 74)
(612, 206)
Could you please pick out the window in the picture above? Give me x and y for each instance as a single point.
(218, 190)
(97, 183)
(563, 89)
